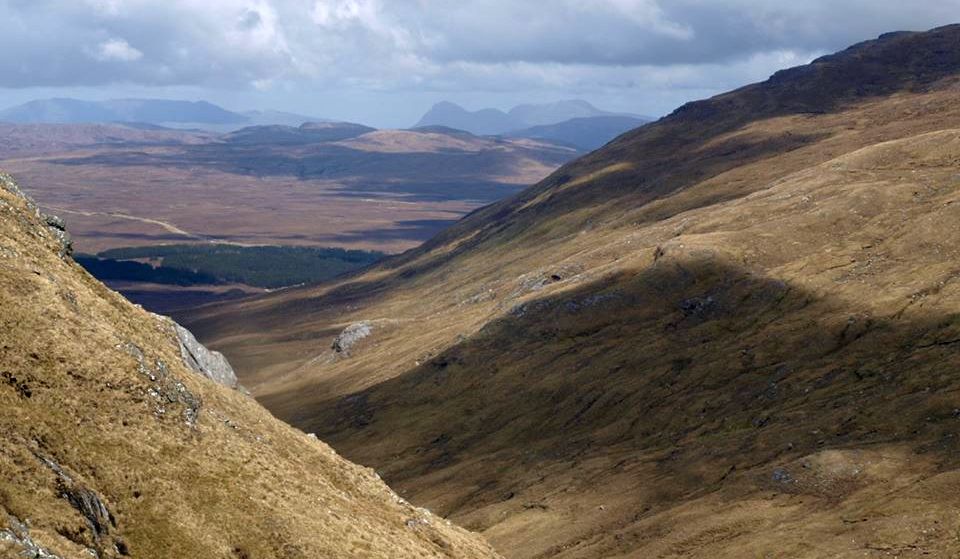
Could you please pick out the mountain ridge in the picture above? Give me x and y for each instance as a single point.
(496, 122)
(725, 333)
(163, 112)
(586, 133)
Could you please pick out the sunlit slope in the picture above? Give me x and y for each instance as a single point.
(730, 333)
(112, 447)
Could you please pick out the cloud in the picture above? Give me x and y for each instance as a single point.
(117, 49)
(432, 45)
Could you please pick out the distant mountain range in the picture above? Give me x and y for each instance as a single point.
(521, 117)
(159, 112)
(588, 133)
(575, 123)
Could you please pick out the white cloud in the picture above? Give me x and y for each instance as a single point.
(635, 47)
(117, 50)
(338, 13)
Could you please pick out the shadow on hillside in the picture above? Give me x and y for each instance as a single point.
(702, 361)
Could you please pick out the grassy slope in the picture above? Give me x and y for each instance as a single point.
(95, 388)
(731, 333)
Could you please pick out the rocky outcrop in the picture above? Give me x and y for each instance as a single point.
(211, 364)
(16, 539)
(112, 444)
(88, 503)
(58, 228)
(350, 336)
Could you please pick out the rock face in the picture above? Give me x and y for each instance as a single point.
(15, 541)
(211, 364)
(350, 336)
(58, 228)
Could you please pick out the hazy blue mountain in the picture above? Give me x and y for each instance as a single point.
(261, 118)
(521, 117)
(152, 111)
(553, 113)
(159, 112)
(483, 122)
(587, 133)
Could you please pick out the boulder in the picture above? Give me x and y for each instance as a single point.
(350, 336)
(211, 364)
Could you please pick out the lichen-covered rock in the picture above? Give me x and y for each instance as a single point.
(211, 364)
(15, 539)
(7, 182)
(350, 336)
(58, 228)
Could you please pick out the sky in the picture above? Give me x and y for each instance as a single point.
(385, 62)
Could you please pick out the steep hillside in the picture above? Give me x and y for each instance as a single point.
(112, 446)
(729, 333)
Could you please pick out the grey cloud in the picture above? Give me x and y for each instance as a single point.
(94, 42)
(682, 32)
(568, 46)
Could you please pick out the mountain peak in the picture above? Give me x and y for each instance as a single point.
(520, 117)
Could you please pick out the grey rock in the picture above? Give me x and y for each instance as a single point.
(211, 364)
(7, 183)
(91, 507)
(698, 307)
(18, 534)
(86, 501)
(350, 336)
(781, 475)
(59, 232)
(55, 222)
(482, 297)
(166, 390)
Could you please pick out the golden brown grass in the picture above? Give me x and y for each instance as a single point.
(737, 338)
(95, 388)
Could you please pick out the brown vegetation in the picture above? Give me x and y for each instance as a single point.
(384, 190)
(111, 447)
(731, 333)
